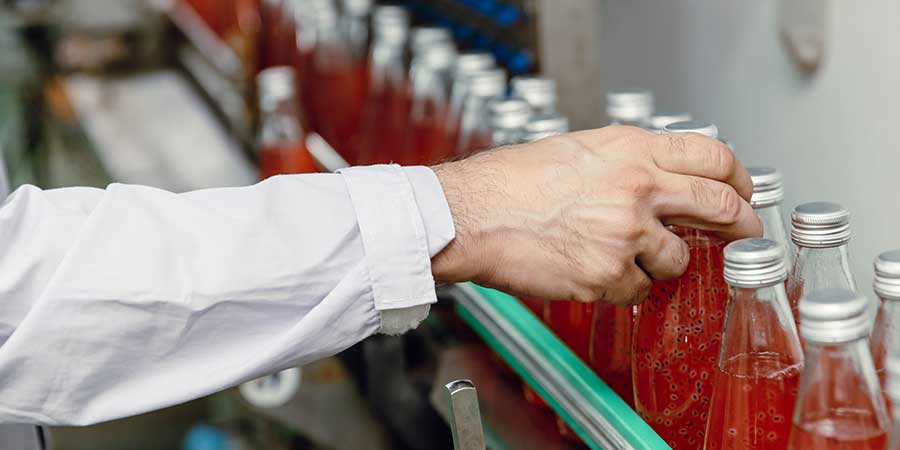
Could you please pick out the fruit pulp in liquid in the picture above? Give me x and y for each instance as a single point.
(753, 403)
(571, 321)
(677, 334)
(610, 348)
(286, 159)
(848, 430)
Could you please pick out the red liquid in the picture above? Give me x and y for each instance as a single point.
(852, 430)
(338, 96)
(384, 126)
(479, 140)
(571, 321)
(278, 40)
(678, 331)
(753, 403)
(610, 349)
(794, 292)
(428, 141)
(285, 160)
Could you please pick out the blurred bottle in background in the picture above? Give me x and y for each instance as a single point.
(840, 404)
(428, 140)
(677, 335)
(540, 127)
(538, 92)
(508, 121)
(629, 107)
(282, 147)
(475, 132)
(885, 339)
(277, 33)
(382, 129)
(768, 194)
(821, 232)
(467, 64)
(758, 371)
(893, 393)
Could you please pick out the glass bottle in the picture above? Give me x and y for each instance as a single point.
(660, 121)
(338, 81)
(466, 65)
(768, 194)
(355, 27)
(840, 405)
(382, 130)
(893, 394)
(539, 92)
(301, 55)
(475, 132)
(758, 371)
(629, 107)
(428, 140)
(885, 339)
(677, 334)
(282, 148)
(508, 121)
(821, 232)
(278, 33)
(544, 126)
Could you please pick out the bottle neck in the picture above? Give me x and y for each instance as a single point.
(356, 32)
(774, 228)
(760, 336)
(386, 65)
(885, 337)
(820, 268)
(280, 124)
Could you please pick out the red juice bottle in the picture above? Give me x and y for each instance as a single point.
(571, 321)
(885, 339)
(677, 334)
(840, 405)
(760, 360)
(508, 121)
(821, 233)
(632, 107)
(382, 128)
(282, 149)
(893, 393)
(278, 38)
(539, 92)
(610, 347)
(768, 194)
(467, 64)
(475, 131)
(428, 140)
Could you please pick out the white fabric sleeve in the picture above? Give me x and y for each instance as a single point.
(120, 301)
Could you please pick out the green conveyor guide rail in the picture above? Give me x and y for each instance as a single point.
(593, 411)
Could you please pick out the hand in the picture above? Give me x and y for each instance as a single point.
(582, 216)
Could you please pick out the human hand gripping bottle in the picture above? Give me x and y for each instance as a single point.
(677, 334)
(282, 147)
(840, 404)
(382, 129)
(759, 365)
(893, 393)
(821, 232)
(885, 339)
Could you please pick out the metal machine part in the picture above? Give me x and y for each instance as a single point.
(465, 416)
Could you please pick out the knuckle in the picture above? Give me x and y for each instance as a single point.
(722, 160)
(617, 271)
(730, 205)
(584, 295)
(637, 181)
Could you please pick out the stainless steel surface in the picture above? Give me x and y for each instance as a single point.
(591, 421)
(465, 416)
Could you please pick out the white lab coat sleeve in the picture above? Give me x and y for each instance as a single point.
(120, 301)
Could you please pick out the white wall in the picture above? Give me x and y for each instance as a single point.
(834, 135)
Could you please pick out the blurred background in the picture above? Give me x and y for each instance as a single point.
(182, 95)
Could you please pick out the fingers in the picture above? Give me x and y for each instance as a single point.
(665, 255)
(705, 204)
(631, 287)
(697, 155)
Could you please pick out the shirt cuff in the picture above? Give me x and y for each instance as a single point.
(403, 220)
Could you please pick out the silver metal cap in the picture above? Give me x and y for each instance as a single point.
(754, 263)
(629, 105)
(543, 126)
(767, 189)
(661, 120)
(509, 114)
(487, 84)
(357, 8)
(275, 84)
(693, 126)
(539, 92)
(820, 225)
(471, 62)
(390, 25)
(834, 316)
(887, 275)
(439, 56)
(324, 14)
(424, 37)
(892, 368)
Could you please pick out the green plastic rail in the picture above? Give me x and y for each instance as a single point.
(590, 408)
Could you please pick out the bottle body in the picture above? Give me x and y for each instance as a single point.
(815, 269)
(758, 373)
(281, 140)
(677, 335)
(840, 404)
(571, 321)
(610, 348)
(885, 339)
(774, 229)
